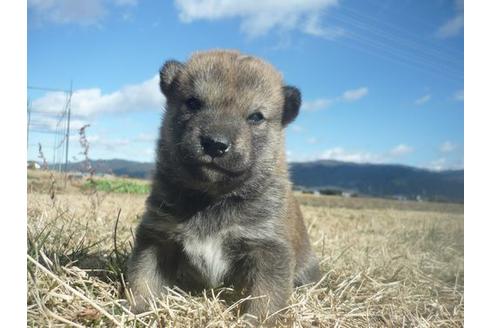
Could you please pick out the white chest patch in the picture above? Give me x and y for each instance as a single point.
(206, 254)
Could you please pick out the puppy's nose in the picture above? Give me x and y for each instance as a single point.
(215, 146)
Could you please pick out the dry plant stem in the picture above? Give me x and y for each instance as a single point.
(62, 319)
(44, 166)
(114, 236)
(74, 291)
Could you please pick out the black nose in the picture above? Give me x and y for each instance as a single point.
(215, 146)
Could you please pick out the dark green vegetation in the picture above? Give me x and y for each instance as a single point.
(119, 186)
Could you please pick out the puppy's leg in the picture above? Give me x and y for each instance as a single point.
(268, 275)
(313, 273)
(308, 271)
(145, 277)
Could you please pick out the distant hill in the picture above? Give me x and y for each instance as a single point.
(118, 167)
(380, 180)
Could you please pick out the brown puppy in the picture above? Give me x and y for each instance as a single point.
(221, 210)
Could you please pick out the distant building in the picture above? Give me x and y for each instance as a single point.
(400, 197)
(33, 165)
(76, 176)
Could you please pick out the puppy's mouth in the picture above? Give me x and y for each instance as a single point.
(216, 166)
(235, 172)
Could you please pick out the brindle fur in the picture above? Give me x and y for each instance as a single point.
(241, 212)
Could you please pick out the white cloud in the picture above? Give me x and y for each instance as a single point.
(447, 147)
(323, 103)
(149, 151)
(452, 27)
(313, 27)
(422, 100)
(96, 142)
(92, 138)
(438, 164)
(89, 102)
(259, 17)
(459, 95)
(315, 105)
(296, 128)
(62, 11)
(459, 5)
(86, 12)
(49, 123)
(112, 144)
(356, 94)
(340, 154)
(355, 156)
(312, 140)
(445, 163)
(401, 150)
(139, 148)
(146, 137)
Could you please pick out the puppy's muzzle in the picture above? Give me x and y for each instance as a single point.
(215, 145)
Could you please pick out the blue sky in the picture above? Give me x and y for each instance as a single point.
(382, 81)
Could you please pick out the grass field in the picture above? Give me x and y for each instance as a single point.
(385, 263)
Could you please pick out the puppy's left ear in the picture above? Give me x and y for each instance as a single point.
(167, 75)
(292, 103)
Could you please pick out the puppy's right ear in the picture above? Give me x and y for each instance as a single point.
(292, 103)
(168, 73)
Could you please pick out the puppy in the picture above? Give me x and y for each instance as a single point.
(221, 210)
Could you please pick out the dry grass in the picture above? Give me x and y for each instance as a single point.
(386, 264)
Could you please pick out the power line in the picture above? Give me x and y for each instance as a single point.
(393, 43)
(43, 132)
(410, 34)
(47, 89)
(52, 122)
(408, 45)
(28, 120)
(69, 107)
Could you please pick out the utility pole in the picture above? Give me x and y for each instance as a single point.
(28, 120)
(67, 136)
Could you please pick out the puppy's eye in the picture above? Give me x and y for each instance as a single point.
(193, 104)
(256, 118)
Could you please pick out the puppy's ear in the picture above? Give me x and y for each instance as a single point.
(168, 73)
(292, 103)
